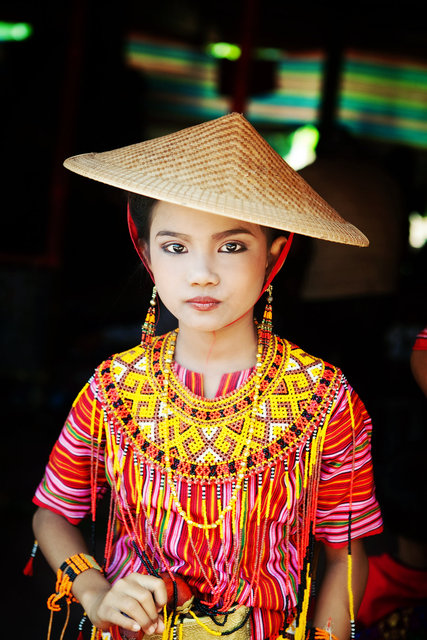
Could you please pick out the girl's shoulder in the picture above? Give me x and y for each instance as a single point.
(135, 358)
(299, 359)
(122, 377)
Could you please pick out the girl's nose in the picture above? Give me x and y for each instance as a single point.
(202, 272)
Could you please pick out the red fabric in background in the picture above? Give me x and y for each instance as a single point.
(391, 586)
(421, 341)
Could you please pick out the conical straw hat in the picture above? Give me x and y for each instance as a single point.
(222, 166)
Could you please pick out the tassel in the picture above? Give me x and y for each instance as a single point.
(28, 569)
(302, 622)
(267, 320)
(349, 556)
(149, 325)
(81, 623)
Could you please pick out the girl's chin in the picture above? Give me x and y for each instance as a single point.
(211, 325)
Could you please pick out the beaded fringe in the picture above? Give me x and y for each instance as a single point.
(307, 489)
(146, 529)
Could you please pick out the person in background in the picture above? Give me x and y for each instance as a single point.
(395, 600)
(419, 360)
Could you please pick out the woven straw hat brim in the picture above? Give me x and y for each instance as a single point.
(224, 167)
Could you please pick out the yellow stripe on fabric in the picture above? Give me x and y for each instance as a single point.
(350, 560)
(168, 512)
(211, 632)
(159, 501)
(298, 480)
(243, 507)
(350, 586)
(80, 394)
(138, 486)
(270, 493)
(306, 464)
(92, 422)
(288, 491)
(150, 492)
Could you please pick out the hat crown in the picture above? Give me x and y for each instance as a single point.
(227, 155)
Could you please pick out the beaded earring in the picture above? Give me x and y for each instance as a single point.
(149, 325)
(267, 319)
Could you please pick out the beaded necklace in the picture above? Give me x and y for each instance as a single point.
(227, 596)
(241, 471)
(274, 423)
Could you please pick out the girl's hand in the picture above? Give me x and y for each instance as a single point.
(132, 603)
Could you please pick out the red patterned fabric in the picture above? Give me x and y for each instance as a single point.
(391, 586)
(228, 382)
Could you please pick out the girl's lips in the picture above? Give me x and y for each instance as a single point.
(203, 303)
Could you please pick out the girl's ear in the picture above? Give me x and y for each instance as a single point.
(275, 250)
(144, 251)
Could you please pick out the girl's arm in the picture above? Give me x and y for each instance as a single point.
(332, 602)
(140, 597)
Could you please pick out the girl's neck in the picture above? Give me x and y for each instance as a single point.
(232, 348)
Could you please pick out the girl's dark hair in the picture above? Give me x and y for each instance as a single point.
(272, 234)
(141, 211)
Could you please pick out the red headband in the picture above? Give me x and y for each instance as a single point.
(279, 263)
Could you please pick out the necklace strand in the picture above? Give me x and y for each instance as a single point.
(168, 411)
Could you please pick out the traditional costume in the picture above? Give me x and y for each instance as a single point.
(228, 493)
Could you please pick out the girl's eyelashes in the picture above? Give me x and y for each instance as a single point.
(232, 247)
(174, 247)
(228, 247)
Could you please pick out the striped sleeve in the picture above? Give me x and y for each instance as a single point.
(66, 486)
(338, 459)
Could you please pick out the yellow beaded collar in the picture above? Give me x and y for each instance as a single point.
(207, 437)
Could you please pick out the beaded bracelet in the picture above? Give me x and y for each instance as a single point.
(67, 573)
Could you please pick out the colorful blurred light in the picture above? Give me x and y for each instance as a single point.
(417, 230)
(303, 147)
(15, 31)
(224, 50)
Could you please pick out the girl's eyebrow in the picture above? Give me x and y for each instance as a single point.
(232, 232)
(216, 236)
(175, 234)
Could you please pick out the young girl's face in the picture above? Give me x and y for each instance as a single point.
(209, 270)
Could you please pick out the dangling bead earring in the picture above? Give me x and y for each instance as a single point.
(150, 321)
(267, 319)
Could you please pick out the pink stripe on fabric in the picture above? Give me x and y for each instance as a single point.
(228, 383)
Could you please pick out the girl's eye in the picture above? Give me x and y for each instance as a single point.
(175, 247)
(232, 247)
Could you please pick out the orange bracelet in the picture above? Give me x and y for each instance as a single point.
(67, 573)
(320, 634)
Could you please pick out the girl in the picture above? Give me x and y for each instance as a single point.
(230, 453)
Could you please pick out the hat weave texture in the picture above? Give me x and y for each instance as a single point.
(223, 166)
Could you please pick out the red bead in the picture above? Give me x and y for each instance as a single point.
(184, 591)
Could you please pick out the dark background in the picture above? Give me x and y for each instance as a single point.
(72, 291)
